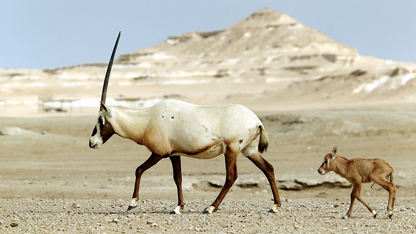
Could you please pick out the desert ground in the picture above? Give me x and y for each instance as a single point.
(52, 182)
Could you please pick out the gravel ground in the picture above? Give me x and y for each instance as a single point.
(27, 215)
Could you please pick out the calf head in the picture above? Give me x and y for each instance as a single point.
(326, 165)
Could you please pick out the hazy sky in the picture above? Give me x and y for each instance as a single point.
(50, 33)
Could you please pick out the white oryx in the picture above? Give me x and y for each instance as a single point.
(175, 128)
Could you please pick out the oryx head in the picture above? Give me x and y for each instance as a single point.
(103, 129)
(325, 166)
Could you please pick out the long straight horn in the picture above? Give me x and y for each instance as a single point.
(107, 74)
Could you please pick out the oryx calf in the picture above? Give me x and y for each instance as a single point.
(361, 170)
(171, 129)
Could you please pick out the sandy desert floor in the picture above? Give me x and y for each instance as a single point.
(51, 181)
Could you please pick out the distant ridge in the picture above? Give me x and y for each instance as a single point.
(287, 61)
(265, 32)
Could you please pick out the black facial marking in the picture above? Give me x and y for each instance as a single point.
(106, 129)
(94, 131)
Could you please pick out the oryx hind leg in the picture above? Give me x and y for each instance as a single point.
(177, 176)
(231, 170)
(152, 160)
(268, 171)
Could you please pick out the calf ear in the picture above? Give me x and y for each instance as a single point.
(334, 151)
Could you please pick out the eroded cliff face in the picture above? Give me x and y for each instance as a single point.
(284, 58)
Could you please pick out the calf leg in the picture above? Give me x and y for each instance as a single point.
(351, 204)
(152, 160)
(268, 171)
(356, 193)
(177, 176)
(391, 188)
(231, 169)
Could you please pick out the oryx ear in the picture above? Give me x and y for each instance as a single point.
(334, 151)
(103, 107)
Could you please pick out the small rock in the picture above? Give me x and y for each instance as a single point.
(14, 224)
(152, 224)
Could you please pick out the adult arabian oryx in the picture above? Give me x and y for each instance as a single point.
(175, 128)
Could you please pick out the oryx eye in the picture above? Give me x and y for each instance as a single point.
(326, 161)
(101, 120)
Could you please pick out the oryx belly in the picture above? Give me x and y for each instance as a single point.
(208, 152)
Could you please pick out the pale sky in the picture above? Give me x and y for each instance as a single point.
(50, 33)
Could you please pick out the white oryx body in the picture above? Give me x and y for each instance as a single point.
(174, 128)
(180, 128)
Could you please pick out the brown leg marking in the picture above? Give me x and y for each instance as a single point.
(231, 168)
(177, 176)
(152, 160)
(268, 171)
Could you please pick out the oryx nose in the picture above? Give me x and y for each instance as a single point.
(91, 145)
(319, 171)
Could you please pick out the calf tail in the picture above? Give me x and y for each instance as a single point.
(391, 175)
(264, 139)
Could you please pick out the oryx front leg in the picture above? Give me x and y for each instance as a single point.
(152, 160)
(231, 170)
(177, 176)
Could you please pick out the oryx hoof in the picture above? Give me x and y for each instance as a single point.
(177, 210)
(209, 210)
(374, 213)
(133, 204)
(345, 217)
(275, 208)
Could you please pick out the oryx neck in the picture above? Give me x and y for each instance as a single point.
(129, 123)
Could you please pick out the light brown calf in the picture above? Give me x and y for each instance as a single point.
(360, 170)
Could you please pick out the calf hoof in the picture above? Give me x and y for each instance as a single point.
(374, 213)
(390, 214)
